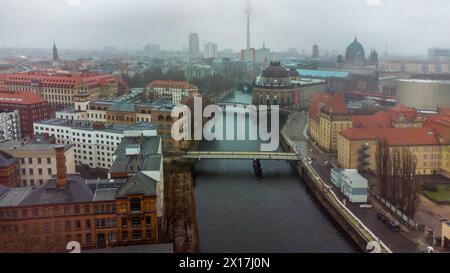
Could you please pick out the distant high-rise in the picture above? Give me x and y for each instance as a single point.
(152, 50)
(248, 11)
(210, 50)
(55, 53)
(315, 51)
(194, 45)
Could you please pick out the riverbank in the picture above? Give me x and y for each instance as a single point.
(180, 215)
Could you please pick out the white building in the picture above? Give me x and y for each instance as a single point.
(9, 125)
(351, 183)
(170, 90)
(94, 144)
(210, 50)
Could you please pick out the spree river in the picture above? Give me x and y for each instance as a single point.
(238, 212)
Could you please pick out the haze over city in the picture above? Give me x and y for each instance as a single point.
(280, 24)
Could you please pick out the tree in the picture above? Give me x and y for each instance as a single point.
(382, 166)
(396, 171)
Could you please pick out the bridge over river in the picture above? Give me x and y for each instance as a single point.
(242, 155)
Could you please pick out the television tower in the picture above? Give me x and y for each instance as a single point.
(248, 11)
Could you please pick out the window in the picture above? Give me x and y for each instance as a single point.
(124, 222)
(30, 161)
(113, 237)
(46, 214)
(125, 235)
(49, 171)
(137, 235)
(66, 211)
(57, 226)
(88, 238)
(49, 161)
(87, 209)
(148, 220)
(136, 222)
(40, 171)
(88, 224)
(77, 210)
(68, 226)
(77, 225)
(135, 204)
(35, 212)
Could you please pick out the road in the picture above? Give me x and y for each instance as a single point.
(321, 162)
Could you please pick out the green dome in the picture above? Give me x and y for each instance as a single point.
(355, 53)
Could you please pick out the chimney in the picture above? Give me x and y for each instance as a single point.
(61, 171)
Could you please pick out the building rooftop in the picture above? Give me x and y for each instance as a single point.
(89, 126)
(171, 84)
(22, 98)
(77, 191)
(6, 159)
(322, 74)
(395, 136)
(336, 104)
(13, 197)
(28, 146)
(148, 159)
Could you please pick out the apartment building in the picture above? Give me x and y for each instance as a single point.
(60, 87)
(173, 91)
(427, 137)
(31, 107)
(95, 213)
(94, 143)
(38, 160)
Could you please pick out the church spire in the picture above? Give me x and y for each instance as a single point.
(55, 53)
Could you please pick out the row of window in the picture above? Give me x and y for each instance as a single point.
(58, 211)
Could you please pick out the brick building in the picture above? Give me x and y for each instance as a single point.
(31, 108)
(96, 213)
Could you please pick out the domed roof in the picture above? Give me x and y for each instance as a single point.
(275, 70)
(355, 52)
(293, 73)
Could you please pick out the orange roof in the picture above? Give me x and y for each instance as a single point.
(59, 79)
(441, 123)
(171, 84)
(395, 136)
(21, 97)
(409, 113)
(336, 104)
(317, 102)
(377, 120)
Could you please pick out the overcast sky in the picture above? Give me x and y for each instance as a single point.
(406, 26)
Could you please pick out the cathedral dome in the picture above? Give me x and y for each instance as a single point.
(355, 53)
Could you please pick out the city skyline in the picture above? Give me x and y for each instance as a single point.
(376, 23)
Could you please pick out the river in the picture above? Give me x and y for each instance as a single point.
(238, 212)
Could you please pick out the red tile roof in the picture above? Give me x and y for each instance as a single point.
(59, 79)
(20, 97)
(395, 136)
(336, 104)
(378, 120)
(317, 101)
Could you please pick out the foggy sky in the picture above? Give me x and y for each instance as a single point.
(406, 26)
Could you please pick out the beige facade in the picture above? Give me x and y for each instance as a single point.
(38, 161)
(431, 159)
(330, 126)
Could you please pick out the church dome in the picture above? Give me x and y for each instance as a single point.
(355, 53)
(275, 70)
